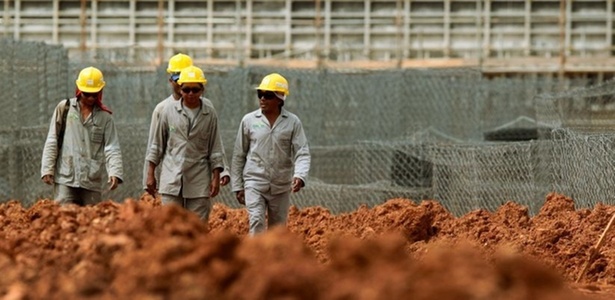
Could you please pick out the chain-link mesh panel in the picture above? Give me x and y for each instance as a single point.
(580, 108)
(28, 150)
(7, 181)
(584, 166)
(34, 79)
(584, 119)
(504, 102)
(467, 177)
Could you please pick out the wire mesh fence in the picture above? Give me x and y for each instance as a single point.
(446, 134)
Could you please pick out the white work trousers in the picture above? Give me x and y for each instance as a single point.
(261, 205)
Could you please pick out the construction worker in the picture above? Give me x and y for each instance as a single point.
(74, 158)
(187, 136)
(270, 144)
(176, 64)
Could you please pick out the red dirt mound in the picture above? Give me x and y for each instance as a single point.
(400, 249)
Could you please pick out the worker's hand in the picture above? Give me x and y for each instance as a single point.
(151, 185)
(48, 179)
(113, 182)
(214, 187)
(241, 197)
(297, 184)
(225, 180)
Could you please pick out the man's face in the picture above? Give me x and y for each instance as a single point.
(191, 91)
(88, 98)
(268, 101)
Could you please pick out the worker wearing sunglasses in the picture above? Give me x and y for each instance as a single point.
(176, 63)
(271, 157)
(188, 138)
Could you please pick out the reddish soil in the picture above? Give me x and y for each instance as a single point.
(397, 250)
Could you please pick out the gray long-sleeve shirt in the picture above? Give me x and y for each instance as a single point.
(268, 157)
(190, 153)
(90, 146)
(152, 128)
(154, 122)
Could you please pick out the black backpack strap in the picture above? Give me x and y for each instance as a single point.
(64, 109)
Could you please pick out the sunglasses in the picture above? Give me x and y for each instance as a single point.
(175, 77)
(194, 90)
(87, 95)
(267, 95)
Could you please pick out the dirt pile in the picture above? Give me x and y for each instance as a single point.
(400, 249)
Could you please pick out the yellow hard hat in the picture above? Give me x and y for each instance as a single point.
(274, 82)
(192, 74)
(178, 62)
(90, 80)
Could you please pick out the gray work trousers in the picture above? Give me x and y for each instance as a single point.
(200, 206)
(71, 195)
(264, 205)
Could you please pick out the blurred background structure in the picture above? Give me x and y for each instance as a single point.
(497, 35)
(471, 103)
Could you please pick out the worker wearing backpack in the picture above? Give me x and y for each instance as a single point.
(82, 142)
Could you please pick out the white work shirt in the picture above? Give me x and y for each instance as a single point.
(268, 157)
(89, 146)
(154, 122)
(190, 153)
(152, 127)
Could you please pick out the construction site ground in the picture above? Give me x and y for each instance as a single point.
(400, 249)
